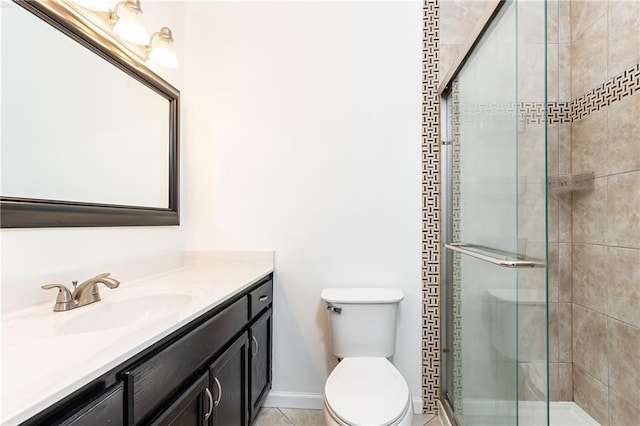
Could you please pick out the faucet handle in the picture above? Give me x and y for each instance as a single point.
(64, 300)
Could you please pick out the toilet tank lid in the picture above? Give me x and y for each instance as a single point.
(362, 295)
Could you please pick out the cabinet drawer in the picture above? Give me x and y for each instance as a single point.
(106, 409)
(153, 381)
(260, 298)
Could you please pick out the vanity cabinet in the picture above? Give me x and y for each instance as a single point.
(214, 371)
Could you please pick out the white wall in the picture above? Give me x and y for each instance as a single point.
(302, 135)
(26, 254)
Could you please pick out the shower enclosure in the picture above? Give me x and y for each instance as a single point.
(497, 236)
(536, 199)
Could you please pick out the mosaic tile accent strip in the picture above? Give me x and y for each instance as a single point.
(620, 86)
(559, 112)
(456, 345)
(430, 207)
(528, 112)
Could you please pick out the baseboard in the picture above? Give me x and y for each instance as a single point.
(307, 401)
(311, 401)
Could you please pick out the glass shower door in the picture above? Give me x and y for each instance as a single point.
(498, 355)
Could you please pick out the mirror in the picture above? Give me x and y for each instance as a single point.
(89, 135)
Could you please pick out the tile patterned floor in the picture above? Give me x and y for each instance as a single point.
(296, 417)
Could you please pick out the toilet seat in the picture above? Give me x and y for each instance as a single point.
(367, 391)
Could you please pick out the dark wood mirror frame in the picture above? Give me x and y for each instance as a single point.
(18, 212)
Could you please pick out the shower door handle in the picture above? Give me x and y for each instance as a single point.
(506, 261)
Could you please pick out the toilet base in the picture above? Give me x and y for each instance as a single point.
(331, 420)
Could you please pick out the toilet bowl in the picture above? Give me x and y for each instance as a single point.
(366, 391)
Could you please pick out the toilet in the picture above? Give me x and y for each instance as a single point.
(364, 388)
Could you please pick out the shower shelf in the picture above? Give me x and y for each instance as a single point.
(567, 183)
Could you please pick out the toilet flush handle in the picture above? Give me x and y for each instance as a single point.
(335, 309)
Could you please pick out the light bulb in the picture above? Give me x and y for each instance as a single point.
(129, 25)
(162, 49)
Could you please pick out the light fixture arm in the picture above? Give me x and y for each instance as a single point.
(132, 5)
(164, 33)
(160, 49)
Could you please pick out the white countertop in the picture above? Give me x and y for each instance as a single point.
(47, 355)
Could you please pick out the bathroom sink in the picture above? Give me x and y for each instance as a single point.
(106, 315)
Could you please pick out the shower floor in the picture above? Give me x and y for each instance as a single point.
(560, 414)
(569, 414)
(487, 413)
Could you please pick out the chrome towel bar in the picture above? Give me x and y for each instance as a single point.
(506, 261)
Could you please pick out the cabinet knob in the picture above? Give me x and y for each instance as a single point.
(210, 398)
(219, 386)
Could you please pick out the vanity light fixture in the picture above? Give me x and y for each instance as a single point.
(127, 16)
(160, 49)
(126, 22)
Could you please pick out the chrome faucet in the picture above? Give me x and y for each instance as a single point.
(83, 294)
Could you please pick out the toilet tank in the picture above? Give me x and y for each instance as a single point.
(362, 321)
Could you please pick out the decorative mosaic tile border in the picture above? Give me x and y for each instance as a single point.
(617, 88)
(430, 207)
(527, 112)
(620, 86)
(456, 290)
(558, 112)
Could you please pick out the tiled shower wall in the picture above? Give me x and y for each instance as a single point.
(601, 237)
(559, 210)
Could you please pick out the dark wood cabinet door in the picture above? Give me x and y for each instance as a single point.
(192, 407)
(260, 360)
(229, 382)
